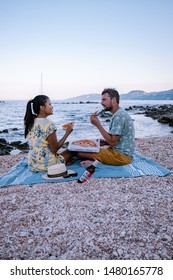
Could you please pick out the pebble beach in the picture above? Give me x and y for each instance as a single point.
(102, 219)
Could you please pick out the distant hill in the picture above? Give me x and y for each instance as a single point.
(142, 95)
(92, 97)
(132, 95)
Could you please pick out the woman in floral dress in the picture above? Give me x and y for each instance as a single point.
(41, 134)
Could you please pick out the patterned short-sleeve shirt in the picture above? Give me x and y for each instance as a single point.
(122, 124)
(40, 155)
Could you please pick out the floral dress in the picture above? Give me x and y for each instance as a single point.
(40, 155)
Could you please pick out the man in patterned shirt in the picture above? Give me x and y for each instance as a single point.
(121, 136)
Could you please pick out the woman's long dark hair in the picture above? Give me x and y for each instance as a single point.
(32, 110)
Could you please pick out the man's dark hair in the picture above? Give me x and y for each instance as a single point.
(112, 93)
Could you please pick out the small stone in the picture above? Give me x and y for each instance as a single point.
(123, 234)
(52, 258)
(120, 252)
(156, 257)
(167, 238)
(115, 253)
(23, 233)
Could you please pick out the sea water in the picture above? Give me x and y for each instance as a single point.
(12, 114)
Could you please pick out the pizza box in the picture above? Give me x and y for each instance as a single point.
(77, 148)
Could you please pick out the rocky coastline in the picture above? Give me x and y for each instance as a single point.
(17, 147)
(161, 113)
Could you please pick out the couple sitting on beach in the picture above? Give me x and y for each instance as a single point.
(44, 146)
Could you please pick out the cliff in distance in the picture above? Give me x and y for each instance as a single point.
(142, 95)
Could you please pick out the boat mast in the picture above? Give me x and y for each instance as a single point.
(41, 85)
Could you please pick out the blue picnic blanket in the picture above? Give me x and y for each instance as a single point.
(140, 166)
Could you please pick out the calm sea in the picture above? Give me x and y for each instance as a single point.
(12, 113)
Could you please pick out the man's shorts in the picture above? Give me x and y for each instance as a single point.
(112, 157)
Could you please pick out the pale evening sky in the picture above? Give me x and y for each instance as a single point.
(83, 46)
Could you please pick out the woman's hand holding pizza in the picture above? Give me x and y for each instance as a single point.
(68, 127)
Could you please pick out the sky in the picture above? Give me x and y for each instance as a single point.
(83, 46)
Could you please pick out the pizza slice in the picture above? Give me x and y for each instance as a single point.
(65, 126)
(95, 113)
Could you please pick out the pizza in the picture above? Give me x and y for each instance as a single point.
(95, 113)
(85, 143)
(65, 126)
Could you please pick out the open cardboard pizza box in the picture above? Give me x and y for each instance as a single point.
(82, 148)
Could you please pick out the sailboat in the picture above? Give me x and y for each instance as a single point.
(41, 85)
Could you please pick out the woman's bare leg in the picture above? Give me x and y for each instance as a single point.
(67, 156)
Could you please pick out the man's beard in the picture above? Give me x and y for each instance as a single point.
(108, 108)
